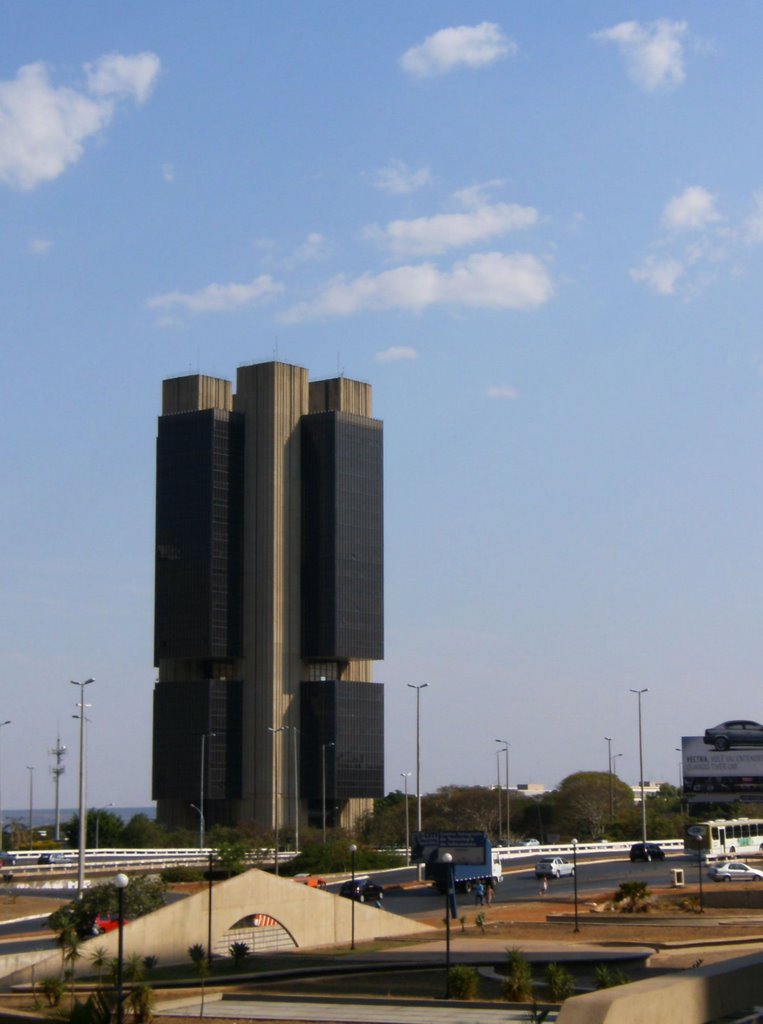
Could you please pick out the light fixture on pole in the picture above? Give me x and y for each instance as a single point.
(82, 841)
(641, 763)
(508, 796)
(353, 851)
(120, 883)
(202, 820)
(614, 764)
(2, 820)
(324, 748)
(418, 688)
(609, 772)
(405, 776)
(274, 730)
(98, 822)
(30, 769)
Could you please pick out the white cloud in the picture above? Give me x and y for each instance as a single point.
(39, 246)
(218, 298)
(168, 172)
(398, 178)
(653, 52)
(395, 353)
(505, 392)
(482, 281)
(43, 127)
(471, 46)
(660, 276)
(694, 209)
(429, 235)
(753, 227)
(313, 248)
(118, 75)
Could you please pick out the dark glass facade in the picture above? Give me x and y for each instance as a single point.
(183, 713)
(199, 487)
(349, 715)
(342, 537)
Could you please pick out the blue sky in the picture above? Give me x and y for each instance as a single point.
(537, 230)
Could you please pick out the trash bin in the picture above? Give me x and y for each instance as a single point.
(678, 877)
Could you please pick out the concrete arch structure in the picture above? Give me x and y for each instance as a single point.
(313, 918)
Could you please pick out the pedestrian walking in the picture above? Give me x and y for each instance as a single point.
(543, 886)
(479, 894)
(489, 890)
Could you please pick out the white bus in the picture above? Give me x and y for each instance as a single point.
(723, 838)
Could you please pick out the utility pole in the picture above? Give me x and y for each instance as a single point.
(57, 771)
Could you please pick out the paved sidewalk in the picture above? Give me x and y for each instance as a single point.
(354, 1013)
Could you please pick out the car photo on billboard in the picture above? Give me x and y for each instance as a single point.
(737, 733)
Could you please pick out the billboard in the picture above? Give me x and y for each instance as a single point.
(719, 776)
(464, 847)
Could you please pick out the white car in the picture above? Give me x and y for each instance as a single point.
(733, 871)
(554, 867)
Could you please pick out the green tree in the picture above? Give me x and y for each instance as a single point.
(140, 833)
(582, 804)
(110, 829)
(142, 895)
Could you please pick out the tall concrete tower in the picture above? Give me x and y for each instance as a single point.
(269, 600)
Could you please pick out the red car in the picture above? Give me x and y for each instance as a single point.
(107, 923)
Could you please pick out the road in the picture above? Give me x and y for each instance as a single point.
(519, 885)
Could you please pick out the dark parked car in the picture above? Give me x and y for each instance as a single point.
(647, 851)
(363, 890)
(739, 733)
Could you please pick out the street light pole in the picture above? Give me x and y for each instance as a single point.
(120, 883)
(295, 751)
(575, 880)
(353, 851)
(609, 772)
(82, 843)
(30, 769)
(498, 787)
(324, 748)
(418, 688)
(274, 730)
(2, 821)
(641, 763)
(508, 797)
(448, 859)
(406, 776)
(202, 820)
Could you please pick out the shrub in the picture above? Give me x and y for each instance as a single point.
(239, 951)
(608, 977)
(141, 1002)
(182, 874)
(150, 962)
(560, 983)
(518, 985)
(52, 989)
(632, 897)
(197, 953)
(463, 981)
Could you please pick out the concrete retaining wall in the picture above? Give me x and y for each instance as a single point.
(692, 997)
(313, 919)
